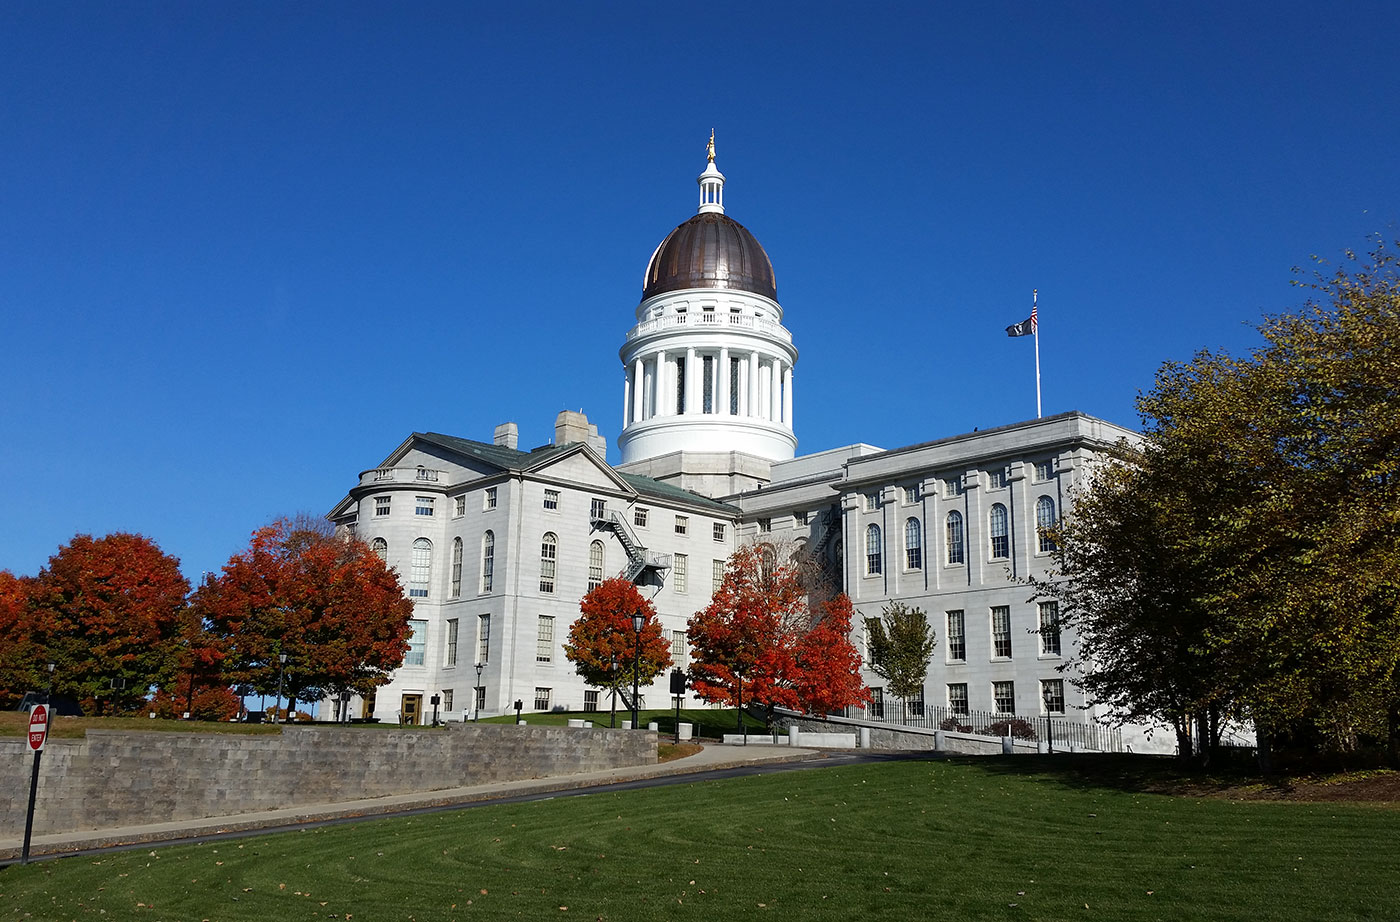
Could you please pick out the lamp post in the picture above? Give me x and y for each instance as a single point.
(613, 725)
(281, 674)
(48, 692)
(477, 695)
(638, 619)
(518, 705)
(739, 684)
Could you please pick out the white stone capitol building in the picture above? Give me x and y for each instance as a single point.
(497, 545)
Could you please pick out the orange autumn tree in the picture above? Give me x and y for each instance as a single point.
(769, 638)
(604, 630)
(108, 609)
(327, 601)
(21, 663)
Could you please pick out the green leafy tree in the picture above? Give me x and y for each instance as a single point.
(1245, 560)
(901, 644)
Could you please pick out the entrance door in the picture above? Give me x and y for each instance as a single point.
(412, 710)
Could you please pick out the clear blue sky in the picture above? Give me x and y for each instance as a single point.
(247, 248)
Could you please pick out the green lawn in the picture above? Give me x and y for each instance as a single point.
(1003, 839)
(710, 723)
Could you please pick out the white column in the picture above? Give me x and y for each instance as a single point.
(692, 380)
(776, 409)
(754, 405)
(722, 382)
(638, 398)
(787, 396)
(626, 408)
(659, 406)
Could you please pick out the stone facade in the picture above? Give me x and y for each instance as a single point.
(120, 778)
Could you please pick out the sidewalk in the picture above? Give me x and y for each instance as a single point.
(711, 758)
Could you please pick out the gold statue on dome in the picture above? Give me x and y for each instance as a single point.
(710, 148)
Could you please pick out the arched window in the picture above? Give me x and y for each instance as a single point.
(488, 560)
(1044, 521)
(913, 545)
(874, 557)
(996, 523)
(380, 547)
(955, 537)
(456, 568)
(549, 557)
(420, 575)
(595, 565)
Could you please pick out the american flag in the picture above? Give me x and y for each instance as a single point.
(1025, 327)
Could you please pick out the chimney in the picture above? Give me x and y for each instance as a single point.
(507, 434)
(570, 427)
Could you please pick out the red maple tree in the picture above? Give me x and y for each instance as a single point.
(326, 601)
(109, 609)
(20, 659)
(604, 630)
(767, 638)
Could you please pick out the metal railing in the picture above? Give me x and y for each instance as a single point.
(1057, 732)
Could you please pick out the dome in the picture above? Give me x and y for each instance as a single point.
(710, 251)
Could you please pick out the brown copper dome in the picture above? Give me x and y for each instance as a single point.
(710, 251)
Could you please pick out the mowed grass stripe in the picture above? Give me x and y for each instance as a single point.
(962, 839)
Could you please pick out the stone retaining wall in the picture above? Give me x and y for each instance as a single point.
(119, 777)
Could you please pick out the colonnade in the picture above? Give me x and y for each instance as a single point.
(718, 382)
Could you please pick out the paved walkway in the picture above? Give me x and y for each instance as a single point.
(711, 758)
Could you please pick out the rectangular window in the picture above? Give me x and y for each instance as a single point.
(877, 703)
(483, 639)
(544, 640)
(680, 377)
(1052, 695)
(381, 505)
(1044, 470)
(996, 479)
(680, 571)
(952, 486)
(420, 571)
(1004, 697)
(639, 517)
(911, 495)
(765, 526)
(459, 505)
(417, 643)
(682, 524)
(422, 505)
(551, 499)
(716, 575)
(489, 502)
(590, 700)
(801, 518)
(717, 531)
(678, 648)
(707, 378)
(872, 502)
(957, 637)
(480, 698)
(542, 699)
(447, 699)
(1050, 628)
(598, 509)
(1001, 632)
(916, 704)
(957, 697)
(733, 377)
(451, 643)
(456, 584)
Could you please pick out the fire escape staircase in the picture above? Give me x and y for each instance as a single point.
(643, 567)
(826, 530)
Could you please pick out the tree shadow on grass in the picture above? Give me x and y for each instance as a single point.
(1136, 773)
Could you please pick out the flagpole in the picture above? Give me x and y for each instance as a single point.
(1035, 332)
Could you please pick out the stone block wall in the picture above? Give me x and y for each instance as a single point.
(119, 778)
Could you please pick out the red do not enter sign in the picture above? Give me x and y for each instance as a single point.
(38, 726)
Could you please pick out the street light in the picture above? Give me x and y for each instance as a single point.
(477, 695)
(281, 674)
(614, 689)
(48, 693)
(638, 619)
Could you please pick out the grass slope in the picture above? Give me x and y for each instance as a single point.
(1012, 839)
